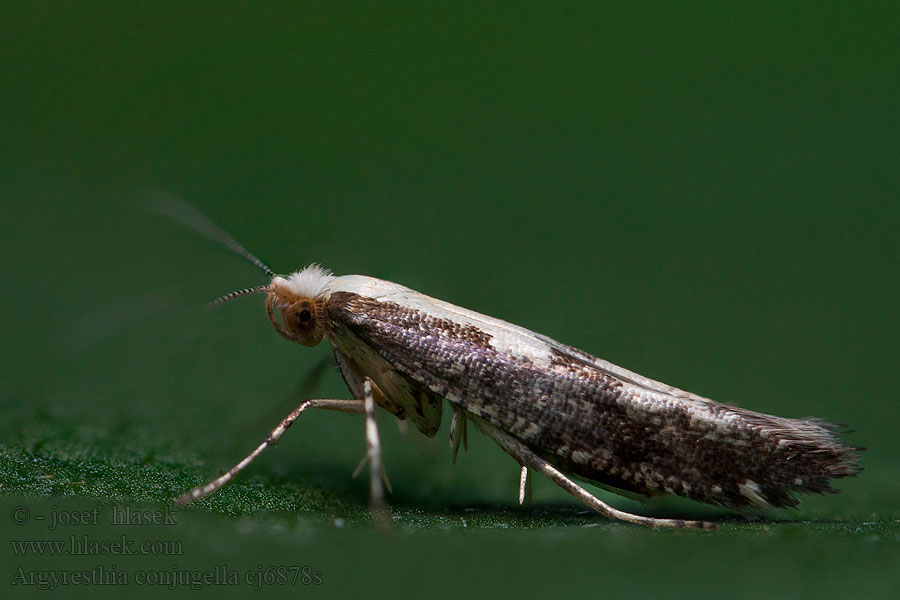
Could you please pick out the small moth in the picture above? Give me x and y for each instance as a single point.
(555, 409)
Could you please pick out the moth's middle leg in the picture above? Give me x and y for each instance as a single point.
(378, 478)
(377, 504)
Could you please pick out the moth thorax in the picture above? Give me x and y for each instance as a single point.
(296, 318)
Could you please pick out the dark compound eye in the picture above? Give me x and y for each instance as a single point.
(305, 316)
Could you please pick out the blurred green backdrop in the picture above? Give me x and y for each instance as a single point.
(705, 194)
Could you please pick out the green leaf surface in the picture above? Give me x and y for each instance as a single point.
(704, 194)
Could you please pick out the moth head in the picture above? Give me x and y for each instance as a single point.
(296, 304)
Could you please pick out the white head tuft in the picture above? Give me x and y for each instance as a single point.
(311, 282)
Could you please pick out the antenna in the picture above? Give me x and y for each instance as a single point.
(243, 292)
(175, 208)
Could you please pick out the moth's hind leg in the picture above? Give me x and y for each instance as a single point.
(348, 406)
(528, 459)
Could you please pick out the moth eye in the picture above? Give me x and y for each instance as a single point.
(304, 315)
(297, 320)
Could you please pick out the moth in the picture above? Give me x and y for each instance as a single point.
(555, 409)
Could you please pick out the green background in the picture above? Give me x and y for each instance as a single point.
(705, 194)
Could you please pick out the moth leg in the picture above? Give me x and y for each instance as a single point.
(348, 406)
(367, 457)
(524, 486)
(457, 432)
(364, 387)
(362, 464)
(528, 459)
(377, 504)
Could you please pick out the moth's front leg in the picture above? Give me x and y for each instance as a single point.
(348, 406)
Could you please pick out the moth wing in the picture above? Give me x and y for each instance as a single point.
(618, 372)
(600, 421)
(521, 338)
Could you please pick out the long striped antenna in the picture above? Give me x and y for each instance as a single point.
(175, 208)
(244, 292)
